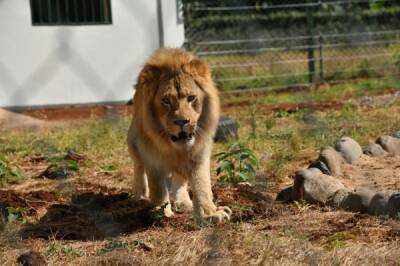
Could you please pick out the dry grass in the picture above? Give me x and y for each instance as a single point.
(262, 232)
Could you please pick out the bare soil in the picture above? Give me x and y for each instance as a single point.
(375, 173)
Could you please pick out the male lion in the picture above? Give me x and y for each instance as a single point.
(175, 115)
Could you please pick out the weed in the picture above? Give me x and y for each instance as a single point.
(58, 249)
(293, 233)
(8, 174)
(108, 169)
(302, 205)
(16, 215)
(113, 244)
(237, 164)
(337, 240)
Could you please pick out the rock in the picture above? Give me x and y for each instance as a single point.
(285, 195)
(394, 205)
(390, 144)
(397, 134)
(374, 150)
(332, 159)
(349, 148)
(379, 203)
(314, 187)
(357, 201)
(336, 199)
(227, 129)
(31, 258)
(321, 166)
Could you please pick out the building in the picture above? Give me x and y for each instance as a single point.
(80, 51)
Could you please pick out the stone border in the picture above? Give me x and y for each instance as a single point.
(318, 185)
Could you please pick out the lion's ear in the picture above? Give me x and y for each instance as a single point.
(148, 75)
(199, 68)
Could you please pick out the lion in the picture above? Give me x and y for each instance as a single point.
(175, 115)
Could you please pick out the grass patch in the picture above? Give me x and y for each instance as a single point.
(9, 174)
(57, 249)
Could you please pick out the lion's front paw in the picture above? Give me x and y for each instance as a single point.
(221, 214)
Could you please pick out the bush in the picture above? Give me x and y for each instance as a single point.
(237, 164)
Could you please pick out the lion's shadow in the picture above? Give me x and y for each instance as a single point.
(92, 216)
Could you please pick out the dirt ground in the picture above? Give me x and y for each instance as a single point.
(84, 214)
(377, 174)
(96, 221)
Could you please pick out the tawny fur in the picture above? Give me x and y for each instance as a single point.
(173, 74)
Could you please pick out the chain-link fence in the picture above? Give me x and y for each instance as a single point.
(264, 43)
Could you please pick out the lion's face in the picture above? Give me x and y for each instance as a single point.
(178, 103)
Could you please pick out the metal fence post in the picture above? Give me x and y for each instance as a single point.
(310, 50)
(321, 58)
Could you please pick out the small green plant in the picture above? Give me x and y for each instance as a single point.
(58, 249)
(237, 164)
(16, 215)
(8, 175)
(337, 240)
(113, 244)
(108, 169)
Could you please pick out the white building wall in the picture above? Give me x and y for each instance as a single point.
(173, 31)
(49, 65)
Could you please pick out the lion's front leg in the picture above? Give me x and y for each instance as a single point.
(179, 194)
(158, 190)
(204, 208)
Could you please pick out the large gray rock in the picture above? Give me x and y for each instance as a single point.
(314, 187)
(285, 195)
(336, 199)
(357, 201)
(390, 144)
(397, 134)
(394, 205)
(349, 149)
(332, 160)
(374, 150)
(379, 203)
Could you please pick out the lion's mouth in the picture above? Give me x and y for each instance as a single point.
(182, 137)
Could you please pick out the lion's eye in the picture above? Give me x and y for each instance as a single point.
(166, 101)
(191, 98)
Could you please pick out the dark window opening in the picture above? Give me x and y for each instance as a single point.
(70, 12)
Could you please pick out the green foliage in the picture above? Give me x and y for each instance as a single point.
(113, 244)
(16, 215)
(58, 249)
(8, 174)
(237, 164)
(337, 240)
(108, 168)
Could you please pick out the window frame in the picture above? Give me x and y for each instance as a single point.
(105, 14)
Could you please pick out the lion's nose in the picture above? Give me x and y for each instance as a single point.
(181, 122)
